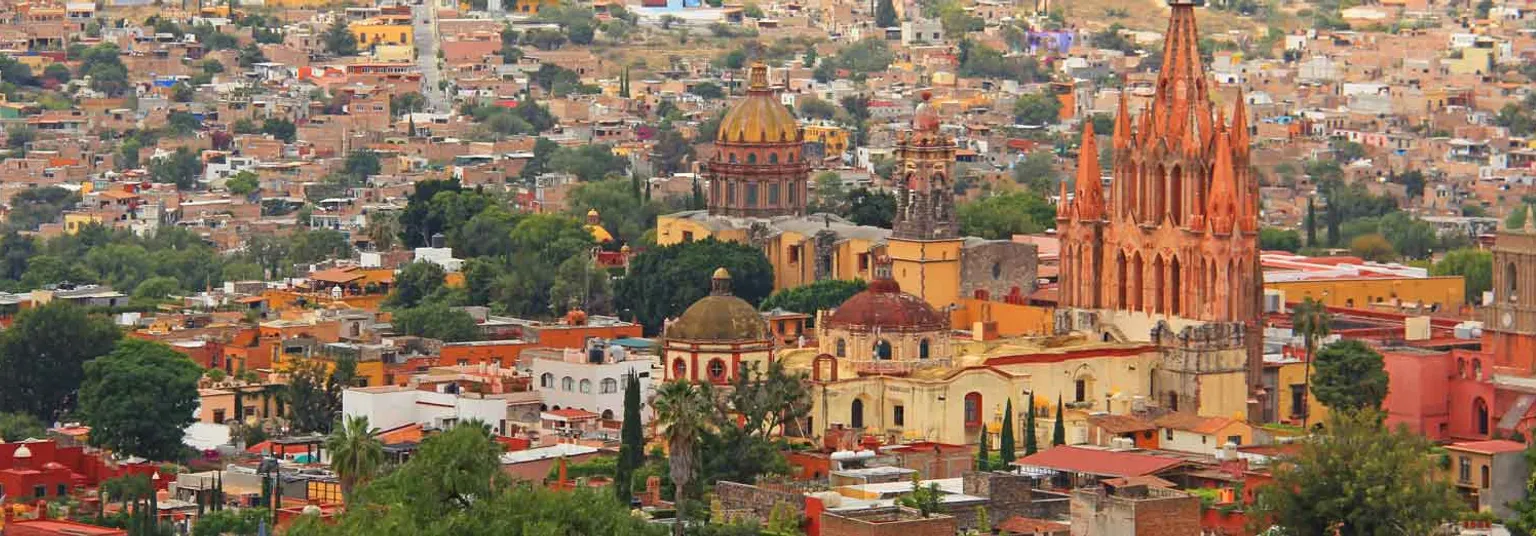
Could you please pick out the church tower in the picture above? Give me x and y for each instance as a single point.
(1176, 241)
(1510, 332)
(758, 169)
(925, 244)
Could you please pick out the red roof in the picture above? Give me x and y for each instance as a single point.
(573, 414)
(883, 305)
(1098, 462)
(1492, 446)
(1029, 525)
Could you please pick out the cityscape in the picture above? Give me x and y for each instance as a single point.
(778, 268)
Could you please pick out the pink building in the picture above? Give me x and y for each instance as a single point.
(1444, 395)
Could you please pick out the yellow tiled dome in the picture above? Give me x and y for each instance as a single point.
(760, 118)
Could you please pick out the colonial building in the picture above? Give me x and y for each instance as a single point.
(1169, 255)
(758, 194)
(716, 337)
(1509, 336)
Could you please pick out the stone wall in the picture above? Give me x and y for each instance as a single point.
(997, 267)
(1011, 495)
(759, 500)
(891, 521)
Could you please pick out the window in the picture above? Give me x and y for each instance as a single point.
(794, 193)
(547, 381)
(856, 414)
(218, 416)
(1081, 387)
(1484, 470)
(842, 348)
(607, 414)
(883, 350)
(687, 236)
(773, 158)
(610, 385)
(730, 193)
(1477, 369)
(752, 195)
(1168, 434)
(922, 349)
(567, 384)
(899, 415)
(794, 254)
(1465, 475)
(973, 409)
(463, 362)
(1235, 439)
(751, 158)
(716, 370)
(679, 369)
(586, 386)
(64, 488)
(39, 491)
(1298, 400)
(773, 195)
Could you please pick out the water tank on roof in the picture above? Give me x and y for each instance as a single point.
(595, 355)
(615, 353)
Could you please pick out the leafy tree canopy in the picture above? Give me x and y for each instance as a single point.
(664, 281)
(139, 398)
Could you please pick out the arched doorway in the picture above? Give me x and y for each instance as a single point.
(856, 414)
(1480, 416)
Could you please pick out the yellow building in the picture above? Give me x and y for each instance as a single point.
(833, 139)
(1445, 292)
(394, 53)
(376, 32)
(73, 221)
(531, 7)
(1290, 381)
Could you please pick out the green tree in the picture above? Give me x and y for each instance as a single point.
(631, 441)
(156, 288)
(339, 40)
(1006, 449)
(1037, 172)
(885, 14)
(1037, 109)
(1311, 223)
(664, 281)
(243, 183)
(281, 129)
(1030, 441)
(1059, 433)
(42, 355)
(1279, 239)
(999, 217)
(19, 426)
(436, 321)
(415, 283)
(588, 162)
(870, 207)
(356, 453)
(925, 499)
(1412, 237)
(822, 295)
(983, 452)
(1473, 265)
(33, 207)
(581, 284)
(1522, 519)
(307, 246)
(182, 168)
(246, 522)
(1310, 320)
(1372, 247)
(683, 413)
(1358, 477)
(311, 408)
(139, 399)
(1350, 376)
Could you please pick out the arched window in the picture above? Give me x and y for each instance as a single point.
(716, 370)
(1509, 282)
(733, 158)
(883, 349)
(922, 349)
(1480, 416)
(973, 409)
(842, 348)
(567, 383)
(773, 158)
(586, 386)
(751, 158)
(1461, 368)
(856, 414)
(607, 414)
(679, 369)
(609, 385)
(547, 380)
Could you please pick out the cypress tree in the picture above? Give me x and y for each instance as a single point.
(1006, 443)
(634, 185)
(1031, 445)
(983, 456)
(885, 14)
(698, 195)
(1311, 223)
(239, 404)
(631, 447)
(1059, 434)
(1332, 216)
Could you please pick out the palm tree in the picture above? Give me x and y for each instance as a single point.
(1310, 319)
(355, 453)
(684, 411)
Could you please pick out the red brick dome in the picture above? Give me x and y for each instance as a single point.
(885, 307)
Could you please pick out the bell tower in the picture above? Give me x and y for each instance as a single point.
(925, 244)
(1510, 332)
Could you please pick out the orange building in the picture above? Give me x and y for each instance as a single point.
(503, 353)
(1174, 250)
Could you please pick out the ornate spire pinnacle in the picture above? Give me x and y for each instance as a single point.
(1089, 203)
(1191, 142)
(1122, 124)
(1181, 84)
(1063, 208)
(757, 77)
(1223, 201)
(1240, 124)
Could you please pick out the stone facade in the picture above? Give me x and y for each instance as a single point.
(759, 500)
(1177, 236)
(999, 270)
(890, 521)
(1137, 510)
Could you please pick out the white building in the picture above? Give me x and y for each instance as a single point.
(391, 406)
(590, 379)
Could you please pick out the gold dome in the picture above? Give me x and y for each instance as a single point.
(760, 118)
(720, 316)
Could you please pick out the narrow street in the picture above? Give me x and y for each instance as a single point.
(425, 21)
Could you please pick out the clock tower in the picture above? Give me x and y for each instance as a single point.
(1510, 327)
